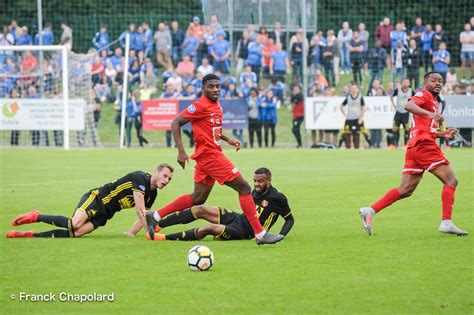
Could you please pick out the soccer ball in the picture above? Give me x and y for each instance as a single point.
(200, 258)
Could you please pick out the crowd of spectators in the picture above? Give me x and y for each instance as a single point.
(262, 70)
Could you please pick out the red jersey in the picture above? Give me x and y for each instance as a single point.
(267, 52)
(206, 119)
(423, 127)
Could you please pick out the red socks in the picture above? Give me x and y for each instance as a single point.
(390, 197)
(181, 203)
(248, 207)
(447, 199)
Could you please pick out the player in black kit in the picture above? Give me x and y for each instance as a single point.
(97, 206)
(226, 224)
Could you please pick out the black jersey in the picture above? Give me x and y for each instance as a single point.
(118, 195)
(270, 205)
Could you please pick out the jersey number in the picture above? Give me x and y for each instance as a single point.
(216, 135)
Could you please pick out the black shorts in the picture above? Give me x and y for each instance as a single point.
(93, 207)
(237, 227)
(351, 125)
(401, 119)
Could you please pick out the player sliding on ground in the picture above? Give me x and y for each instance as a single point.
(99, 205)
(228, 225)
(423, 154)
(205, 115)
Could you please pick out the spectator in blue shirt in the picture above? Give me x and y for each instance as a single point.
(148, 39)
(131, 31)
(220, 52)
(267, 114)
(398, 35)
(248, 74)
(140, 39)
(441, 60)
(278, 89)
(46, 34)
(191, 46)
(101, 39)
(426, 44)
(197, 83)
(245, 88)
(279, 64)
(24, 38)
(254, 57)
(116, 59)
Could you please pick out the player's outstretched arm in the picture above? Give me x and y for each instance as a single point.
(176, 131)
(139, 199)
(232, 142)
(417, 110)
(289, 222)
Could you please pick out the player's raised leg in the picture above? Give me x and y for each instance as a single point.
(445, 174)
(406, 189)
(248, 207)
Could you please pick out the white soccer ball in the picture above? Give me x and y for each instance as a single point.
(200, 258)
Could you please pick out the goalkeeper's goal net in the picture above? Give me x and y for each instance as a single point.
(46, 98)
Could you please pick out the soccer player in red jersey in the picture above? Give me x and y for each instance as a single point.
(212, 165)
(423, 154)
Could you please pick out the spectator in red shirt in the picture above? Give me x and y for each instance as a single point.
(98, 70)
(29, 64)
(267, 51)
(382, 34)
(197, 29)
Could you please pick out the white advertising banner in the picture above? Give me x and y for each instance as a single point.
(324, 113)
(40, 114)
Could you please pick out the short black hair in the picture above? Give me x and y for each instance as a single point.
(427, 75)
(265, 171)
(209, 77)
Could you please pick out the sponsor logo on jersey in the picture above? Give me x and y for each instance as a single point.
(264, 203)
(419, 94)
(191, 108)
(235, 170)
(141, 187)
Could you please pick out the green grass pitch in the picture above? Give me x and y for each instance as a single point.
(327, 264)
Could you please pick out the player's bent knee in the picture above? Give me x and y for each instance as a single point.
(198, 199)
(406, 190)
(452, 181)
(245, 189)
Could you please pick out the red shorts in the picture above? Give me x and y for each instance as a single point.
(218, 168)
(423, 156)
